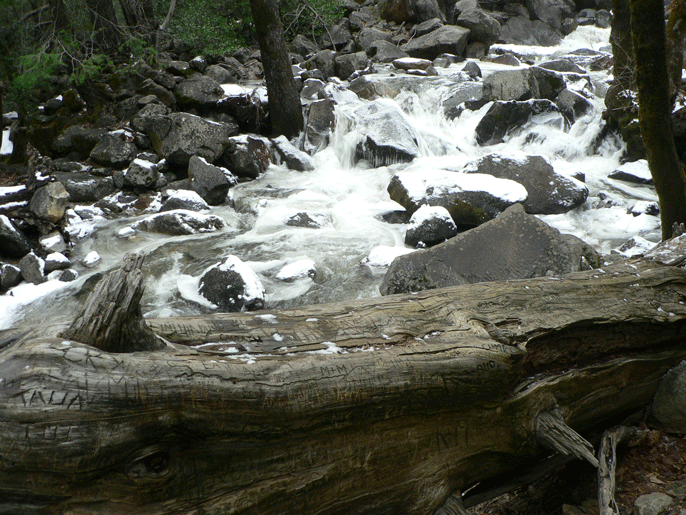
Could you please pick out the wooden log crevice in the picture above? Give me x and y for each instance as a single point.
(387, 405)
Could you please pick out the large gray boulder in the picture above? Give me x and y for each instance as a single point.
(232, 286)
(448, 39)
(321, 120)
(552, 12)
(426, 10)
(548, 192)
(669, 403)
(179, 136)
(347, 64)
(247, 156)
(141, 174)
(503, 118)
(84, 187)
(520, 30)
(200, 92)
(13, 243)
(428, 226)
(368, 36)
(513, 246)
(211, 182)
(141, 118)
(385, 51)
(482, 26)
(573, 104)
(389, 136)
(287, 153)
(114, 150)
(50, 202)
(509, 85)
(10, 276)
(33, 269)
(471, 199)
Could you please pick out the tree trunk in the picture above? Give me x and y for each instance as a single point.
(285, 110)
(622, 49)
(652, 79)
(140, 17)
(105, 27)
(385, 405)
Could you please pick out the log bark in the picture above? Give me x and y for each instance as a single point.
(386, 405)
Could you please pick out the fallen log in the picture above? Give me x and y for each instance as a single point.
(385, 405)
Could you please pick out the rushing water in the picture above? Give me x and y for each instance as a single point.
(348, 201)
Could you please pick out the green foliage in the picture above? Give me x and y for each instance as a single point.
(309, 17)
(211, 27)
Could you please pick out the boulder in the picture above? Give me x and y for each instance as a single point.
(397, 11)
(198, 63)
(482, 26)
(573, 104)
(552, 12)
(504, 117)
(321, 120)
(337, 36)
(10, 276)
(425, 27)
(636, 172)
(549, 83)
(368, 36)
(513, 246)
(114, 150)
(388, 136)
(32, 269)
(669, 403)
(654, 503)
(412, 63)
(520, 30)
(13, 244)
(247, 156)
(199, 92)
(232, 286)
(427, 10)
(246, 108)
(563, 65)
(84, 187)
(79, 138)
(548, 192)
(509, 85)
(313, 89)
(179, 136)
(180, 223)
(56, 261)
(385, 52)
(471, 199)
(307, 220)
(472, 70)
(150, 87)
(428, 226)
(347, 64)
(141, 174)
(303, 46)
(211, 182)
(322, 61)
(50, 202)
(459, 94)
(187, 200)
(220, 74)
(140, 121)
(295, 159)
(447, 39)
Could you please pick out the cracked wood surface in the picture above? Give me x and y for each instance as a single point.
(384, 405)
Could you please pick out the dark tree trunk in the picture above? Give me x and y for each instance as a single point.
(104, 21)
(676, 36)
(622, 48)
(652, 80)
(140, 17)
(285, 109)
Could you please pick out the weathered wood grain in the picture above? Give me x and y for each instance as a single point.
(385, 405)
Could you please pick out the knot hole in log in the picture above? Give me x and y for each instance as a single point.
(111, 318)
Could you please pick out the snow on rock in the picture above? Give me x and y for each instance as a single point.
(184, 199)
(636, 172)
(471, 199)
(430, 225)
(179, 223)
(382, 256)
(56, 261)
(295, 159)
(231, 285)
(634, 247)
(91, 259)
(412, 63)
(301, 269)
